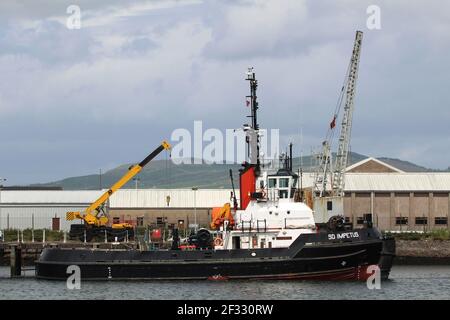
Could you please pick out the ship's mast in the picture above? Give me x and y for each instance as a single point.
(251, 169)
(254, 108)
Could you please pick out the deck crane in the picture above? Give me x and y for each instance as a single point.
(329, 178)
(95, 218)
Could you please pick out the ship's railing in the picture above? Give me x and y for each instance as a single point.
(263, 222)
(261, 225)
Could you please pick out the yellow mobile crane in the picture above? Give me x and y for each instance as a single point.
(95, 218)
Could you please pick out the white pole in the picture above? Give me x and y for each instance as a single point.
(43, 236)
(195, 209)
(21, 235)
(1, 187)
(84, 235)
(106, 239)
(65, 237)
(32, 235)
(18, 236)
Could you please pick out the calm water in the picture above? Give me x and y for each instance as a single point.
(407, 282)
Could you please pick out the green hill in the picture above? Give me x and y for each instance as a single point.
(164, 174)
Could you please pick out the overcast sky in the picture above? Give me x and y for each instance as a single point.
(75, 101)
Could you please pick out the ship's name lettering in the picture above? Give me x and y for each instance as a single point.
(344, 235)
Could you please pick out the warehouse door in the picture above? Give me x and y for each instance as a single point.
(55, 224)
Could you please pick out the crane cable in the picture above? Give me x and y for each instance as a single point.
(168, 168)
(337, 109)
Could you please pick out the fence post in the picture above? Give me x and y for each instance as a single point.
(18, 236)
(43, 236)
(64, 236)
(84, 235)
(106, 238)
(15, 261)
(32, 235)
(21, 231)
(126, 239)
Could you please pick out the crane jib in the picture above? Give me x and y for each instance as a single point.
(151, 156)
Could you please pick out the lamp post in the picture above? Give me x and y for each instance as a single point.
(195, 208)
(1, 187)
(136, 180)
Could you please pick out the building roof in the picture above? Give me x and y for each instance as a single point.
(410, 182)
(30, 188)
(48, 196)
(396, 182)
(372, 165)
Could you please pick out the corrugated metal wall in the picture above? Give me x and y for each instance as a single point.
(179, 198)
(40, 217)
(18, 209)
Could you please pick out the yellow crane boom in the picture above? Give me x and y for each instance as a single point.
(94, 215)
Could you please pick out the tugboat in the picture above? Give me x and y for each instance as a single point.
(266, 234)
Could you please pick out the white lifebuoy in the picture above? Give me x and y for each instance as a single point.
(218, 242)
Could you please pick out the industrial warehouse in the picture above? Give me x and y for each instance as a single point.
(394, 200)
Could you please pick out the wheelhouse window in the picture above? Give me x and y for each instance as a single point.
(272, 183)
(284, 182)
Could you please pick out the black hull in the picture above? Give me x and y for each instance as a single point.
(304, 259)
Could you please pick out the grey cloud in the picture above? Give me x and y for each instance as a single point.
(104, 94)
(139, 45)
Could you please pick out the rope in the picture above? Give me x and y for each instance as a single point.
(168, 169)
